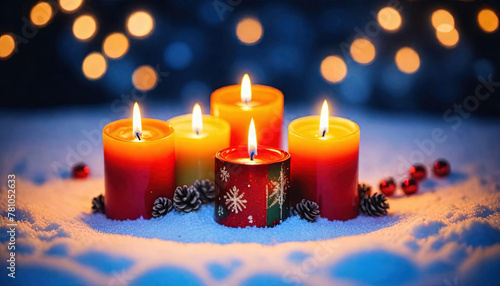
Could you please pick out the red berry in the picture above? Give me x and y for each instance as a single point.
(81, 171)
(418, 172)
(409, 186)
(387, 187)
(442, 168)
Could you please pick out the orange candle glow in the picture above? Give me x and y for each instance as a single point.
(325, 169)
(139, 163)
(239, 103)
(197, 138)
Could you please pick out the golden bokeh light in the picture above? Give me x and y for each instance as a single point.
(442, 21)
(333, 69)
(140, 24)
(389, 19)
(362, 51)
(41, 14)
(448, 39)
(7, 46)
(144, 78)
(84, 27)
(115, 45)
(70, 6)
(249, 31)
(487, 20)
(407, 60)
(94, 66)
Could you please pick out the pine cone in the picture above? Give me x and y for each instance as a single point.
(186, 199)
(206, 189)
(162, 206)
(307, 210)
(364, 189)
(375, 205)
(98, 204)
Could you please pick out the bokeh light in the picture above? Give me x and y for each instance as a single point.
(140, 24)
(487, 20)
(115, 45)
(362, 51)
(84, 27)
(249, 31)
(7, 46)
(41, 14)
(389, 19)
(407, 60)
(94, 66)
(70, 6)
(144, 78)
(442, 21)
(448, 39)
(333, 69)
(178, 55)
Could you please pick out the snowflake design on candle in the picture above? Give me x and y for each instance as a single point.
(234, 200)
(279, 187)
(250, 219)
(220, 211)
(224, 174)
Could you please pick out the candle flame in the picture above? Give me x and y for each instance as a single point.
(196, 121)
(136, 122)
(323, 121)
(246, 89)
(252, 140)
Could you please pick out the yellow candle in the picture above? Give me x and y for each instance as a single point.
(197, 138)
(325, 164)
(238, 104)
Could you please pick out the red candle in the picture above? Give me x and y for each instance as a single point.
(325, 170)
(139, 166)
(251, 185)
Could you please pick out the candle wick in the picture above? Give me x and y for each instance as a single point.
(324, 132)
(138, 136)
(197, 132)
(252, 153)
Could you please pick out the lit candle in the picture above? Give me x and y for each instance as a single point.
(197, 138)
(139, 163)
(325, 170)
(251, 184)
(239, 103)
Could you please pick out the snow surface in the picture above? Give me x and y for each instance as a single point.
(447, 234)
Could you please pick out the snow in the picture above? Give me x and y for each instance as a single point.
(446, 234)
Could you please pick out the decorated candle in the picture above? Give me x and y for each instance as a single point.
(139, 163)
(251, 185)
(325, 170)
(239, 103)
(197, 138)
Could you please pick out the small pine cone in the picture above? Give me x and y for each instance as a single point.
(307, 210)
(364, 189)
(206, 189)
(186, 199)
(162, 206)
(375, 205)
(98, 204)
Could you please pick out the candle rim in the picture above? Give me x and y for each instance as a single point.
(126, 121)
(293, 130)
(272, 95)
(243, 148)
(208, 119)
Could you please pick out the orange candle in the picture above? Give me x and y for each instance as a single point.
(197, 138)
(139, 163)
(238, 104)
(325, 163)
